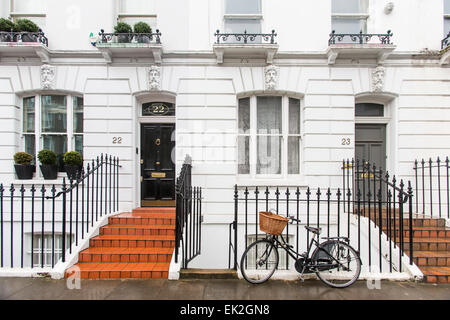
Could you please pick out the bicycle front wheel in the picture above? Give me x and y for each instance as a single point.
(259, 261)
(336, 263)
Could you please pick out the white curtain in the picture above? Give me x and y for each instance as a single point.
(269, 124)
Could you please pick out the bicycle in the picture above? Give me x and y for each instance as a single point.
(334, 261)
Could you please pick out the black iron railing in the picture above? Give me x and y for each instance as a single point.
(69, 211)
(324, 208)
(445, 42)
(361, 38)
(188, 228)
(432, 187)
(130, 37)
(14, 36)
(245, 37)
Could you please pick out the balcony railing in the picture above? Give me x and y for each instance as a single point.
(154, 38)
(361, 38)
(445, 42)
(245, 37)
(14, 36)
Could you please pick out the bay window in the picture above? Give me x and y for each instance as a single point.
(269, 136)
(53, 122)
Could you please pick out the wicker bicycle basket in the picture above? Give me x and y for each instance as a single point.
(272, 223)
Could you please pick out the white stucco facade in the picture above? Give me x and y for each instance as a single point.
(414, 89)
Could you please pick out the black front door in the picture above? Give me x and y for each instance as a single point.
(157, 165)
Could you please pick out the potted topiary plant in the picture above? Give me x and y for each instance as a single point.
(49, 166)
(73, 163)
(24, 168)
(6, 26)
(123, 30)
(142, 27)
(25, 25)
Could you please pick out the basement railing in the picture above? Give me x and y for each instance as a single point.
(432, 187)
(58, 218)
(188, 227)
(245, 37)
(361, 38)
(132, 37)
(14, 36)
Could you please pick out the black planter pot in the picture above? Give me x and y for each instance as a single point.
(5, 38)
(143, 39)
(73, 172)
(25, 171)
(49, 171)
(124, 38)
(28, 38)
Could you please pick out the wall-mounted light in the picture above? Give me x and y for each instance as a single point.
(388, 7)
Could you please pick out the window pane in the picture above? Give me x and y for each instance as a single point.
(56, 143)
(243, 7)
(293, 155)
(369, 110)
(294, 116)
(30, 144)
(137, 6)
(269, 115)
(346, 6)
(241, 25)
(244, 115)
(243, 155)
(54, 114)
(348, 25)
(269, 155)
(78, 115)
(79, 143)
(446, 26)
(446, 6)
(27, 6)
(28, 114)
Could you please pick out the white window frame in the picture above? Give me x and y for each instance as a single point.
(38, 134)
(47, 250)
(18, 15)
(235, 16)
(123, 16)
(284, 146)
(352, 16)
(446, 17)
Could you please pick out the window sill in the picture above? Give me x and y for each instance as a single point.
(376, 51)
(262, 50)
(41, 181)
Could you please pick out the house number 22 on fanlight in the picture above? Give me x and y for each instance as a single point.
(117, 140)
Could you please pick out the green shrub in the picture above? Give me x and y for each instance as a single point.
(47, 157)
(142, 27)
(123, 27)
(23, 158)
(73, 158)
(25, 25)
(7, 25)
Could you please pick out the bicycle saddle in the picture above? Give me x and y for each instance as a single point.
(313, 230)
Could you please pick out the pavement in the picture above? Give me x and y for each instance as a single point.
(214, 289)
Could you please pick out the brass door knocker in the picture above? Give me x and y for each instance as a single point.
(158, 142)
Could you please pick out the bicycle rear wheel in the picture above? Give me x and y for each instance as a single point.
(259, 261)
(336, 263)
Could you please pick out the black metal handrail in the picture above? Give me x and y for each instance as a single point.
(424, 172)
(188, 222)
(325, 209)
(154, 37)
(361, 38)
(15, 36)
(93, 194)
(445, 42)
(245, 37)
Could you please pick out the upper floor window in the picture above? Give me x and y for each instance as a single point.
(446, 17)
(243, 16)
(133, 11)
(349, 16)
(369, 110)
(269, 136)
(33, 10)
(53, 122)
